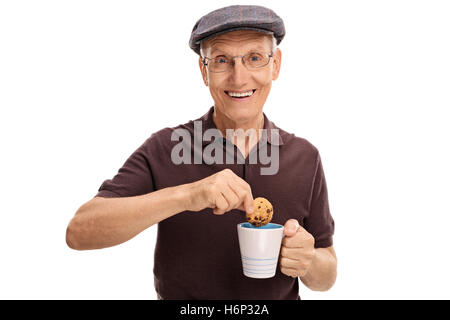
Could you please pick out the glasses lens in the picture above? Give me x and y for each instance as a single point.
(256, 60)
(219, 64)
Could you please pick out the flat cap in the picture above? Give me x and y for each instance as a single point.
(234, 18)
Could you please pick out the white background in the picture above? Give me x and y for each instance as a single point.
(84, 83)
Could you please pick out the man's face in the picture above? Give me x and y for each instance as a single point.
(239, 78)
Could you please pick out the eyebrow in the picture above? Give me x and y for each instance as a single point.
(258, 48)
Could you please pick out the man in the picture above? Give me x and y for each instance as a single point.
(198, 203)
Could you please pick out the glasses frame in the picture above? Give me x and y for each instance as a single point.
(205, 63)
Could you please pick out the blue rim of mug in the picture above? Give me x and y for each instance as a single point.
(247, 225)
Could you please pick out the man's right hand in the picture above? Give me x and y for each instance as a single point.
(103, 222)
(222, 191)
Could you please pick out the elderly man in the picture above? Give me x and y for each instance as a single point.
(197, 204)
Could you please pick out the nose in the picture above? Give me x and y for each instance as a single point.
(239, 72)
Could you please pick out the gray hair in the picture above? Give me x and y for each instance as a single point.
(274, 46)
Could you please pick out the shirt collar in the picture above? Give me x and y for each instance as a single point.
(273, 132)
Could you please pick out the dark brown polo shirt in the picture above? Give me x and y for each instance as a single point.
(197, 253)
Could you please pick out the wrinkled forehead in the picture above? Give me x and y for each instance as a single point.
(238, 40)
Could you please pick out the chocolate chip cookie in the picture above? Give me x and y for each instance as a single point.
(262, 212)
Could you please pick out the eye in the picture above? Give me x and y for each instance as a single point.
(255, 57)
(221, 60)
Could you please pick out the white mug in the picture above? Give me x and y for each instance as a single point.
(260, 248)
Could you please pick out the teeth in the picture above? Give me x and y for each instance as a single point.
(245, 94)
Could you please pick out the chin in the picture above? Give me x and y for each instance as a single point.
(241, 113)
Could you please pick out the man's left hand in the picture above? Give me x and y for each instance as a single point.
(297, 250)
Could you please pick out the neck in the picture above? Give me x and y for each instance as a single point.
(245, 138)
(222, 122)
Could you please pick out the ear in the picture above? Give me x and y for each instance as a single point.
(203, 70)
(276, 64)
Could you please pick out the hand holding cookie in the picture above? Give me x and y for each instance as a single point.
(222, 191)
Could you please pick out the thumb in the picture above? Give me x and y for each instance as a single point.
(249, 203)
(290, 227)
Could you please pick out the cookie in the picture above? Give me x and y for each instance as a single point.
(262, 212)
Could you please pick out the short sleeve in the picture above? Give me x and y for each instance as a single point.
(134, 178)
(320, 223)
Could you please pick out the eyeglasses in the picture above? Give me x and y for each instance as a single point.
(222, 63)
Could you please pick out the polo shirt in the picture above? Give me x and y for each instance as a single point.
(197, 254)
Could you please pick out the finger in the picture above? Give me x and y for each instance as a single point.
(244, 194)
(232, 198)
(289, 272)
(290, 227)
(301, 239)
(294, 241)
(221, 204)
(248, 196)
(248, 202)
(289, 263)
(239, 193)
(300, 229)
(291, 253)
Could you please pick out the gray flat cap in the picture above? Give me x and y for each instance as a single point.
(234, 18)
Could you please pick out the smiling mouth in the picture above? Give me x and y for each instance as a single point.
(243, 95)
